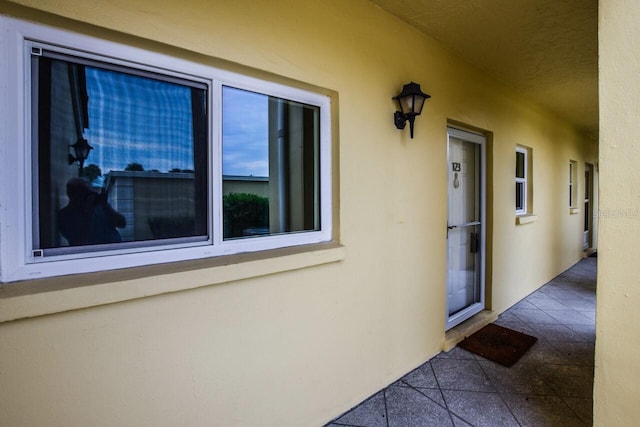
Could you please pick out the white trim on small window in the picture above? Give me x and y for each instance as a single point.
(22, 254)
(521, 178)
(573, 187)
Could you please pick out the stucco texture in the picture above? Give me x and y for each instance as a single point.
(617, 347)
(300, 347)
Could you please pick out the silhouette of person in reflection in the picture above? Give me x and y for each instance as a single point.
(88, 219)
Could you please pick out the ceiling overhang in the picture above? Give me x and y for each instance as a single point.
(546, 50)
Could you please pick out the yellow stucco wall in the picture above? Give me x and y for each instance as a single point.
(617, 374)
(299, 347)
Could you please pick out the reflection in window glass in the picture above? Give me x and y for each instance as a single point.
(270, 152)
(144, 179)
(520, 167)
(519, 196)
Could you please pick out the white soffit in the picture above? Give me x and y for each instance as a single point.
(545, 49)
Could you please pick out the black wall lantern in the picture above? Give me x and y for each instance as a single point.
(81, 150)
(411, 101)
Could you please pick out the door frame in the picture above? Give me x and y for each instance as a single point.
(588, 207)
(477, 307)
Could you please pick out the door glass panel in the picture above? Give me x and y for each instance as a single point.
(464, 284)
(463, 183)
(464, 278)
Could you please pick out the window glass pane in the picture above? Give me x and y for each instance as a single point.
(519, 196)
(270, 154)
(145, 177)
(571, 173)
(520, 166)
(571, 195)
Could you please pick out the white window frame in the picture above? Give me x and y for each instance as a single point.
(523, 181)
(573, 197)
(17, 260)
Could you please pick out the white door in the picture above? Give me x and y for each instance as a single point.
(588, 183)
(465, 225)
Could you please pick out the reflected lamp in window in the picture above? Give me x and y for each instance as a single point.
(145, 178)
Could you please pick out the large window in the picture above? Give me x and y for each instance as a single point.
(146, 158)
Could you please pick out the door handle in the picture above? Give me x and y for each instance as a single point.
(451, 227)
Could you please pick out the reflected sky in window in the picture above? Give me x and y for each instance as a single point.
(138, 119)
(245, 138)
(147, 121)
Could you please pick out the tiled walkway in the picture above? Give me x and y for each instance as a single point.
(550, 386)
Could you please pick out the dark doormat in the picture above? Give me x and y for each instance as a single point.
(501, 345)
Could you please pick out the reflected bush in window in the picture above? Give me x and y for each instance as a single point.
(245, 215)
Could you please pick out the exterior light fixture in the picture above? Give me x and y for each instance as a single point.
(411, 101)
(81, 150)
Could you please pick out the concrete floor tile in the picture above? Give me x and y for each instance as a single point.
(434, 394)
(421, 377)
(534, 316)
(370, 413)
(521, 378)
(558, 293)
(569, 317)
(582, 407)
(524, 304)
(588, 332)
(548, 304)
(591, 314)
(455, 353)
(542, 353)
(516, 325)
(459, 422)
(479, 409)
(555, 332)
(408, 407)
(569, 381)
(542, 411)
(579, 304)
(461, 375)
(576, 353)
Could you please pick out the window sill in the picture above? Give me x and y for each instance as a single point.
(526, 219)
(574, 211)
(55, 295)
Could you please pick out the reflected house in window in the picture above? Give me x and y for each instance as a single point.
(141, 197)
(258, 185)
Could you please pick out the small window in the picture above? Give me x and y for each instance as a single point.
(521, 180)
(136, 158)
(572, 184)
